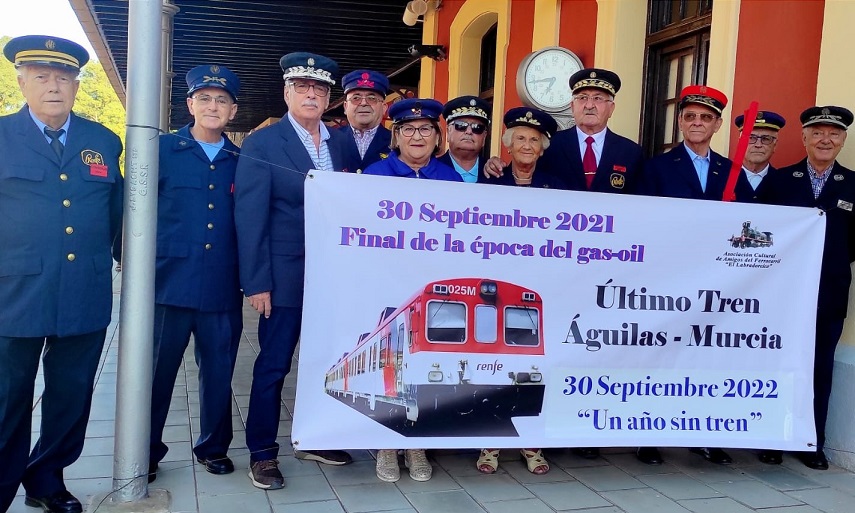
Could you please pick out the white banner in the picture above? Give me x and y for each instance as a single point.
(444, 315)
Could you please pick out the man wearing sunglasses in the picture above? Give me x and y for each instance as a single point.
(365, 106)
(271, 245)
(761, 146)
(468, 120)
(691, 169)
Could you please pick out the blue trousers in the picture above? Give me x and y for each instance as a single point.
(69, 374)
(277, 339)
(216, 336)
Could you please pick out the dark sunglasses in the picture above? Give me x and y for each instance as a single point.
(477, 128)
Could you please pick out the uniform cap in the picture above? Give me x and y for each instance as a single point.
(828, 115)
(309, 65)
(597, 78)
(703, 95)
(533, 118)
(366, 79)
(466, 106)
(415, 108)
(46, 51)
(212, 75)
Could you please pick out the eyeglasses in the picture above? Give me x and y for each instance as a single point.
(205, 99)
(597, 99)
(303, 88)
(370, 99)
(765, 140)
(410, 130)
(690, 117)
(477, 128)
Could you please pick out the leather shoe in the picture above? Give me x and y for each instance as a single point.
(649, 455)
(713, 455)
(770, 457)
(59, 502)
(589, 453)
(218, 465)
(815, 460)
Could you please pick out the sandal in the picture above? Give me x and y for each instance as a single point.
(420, 468)
(387, 465)
(488, 461)
(535, 461)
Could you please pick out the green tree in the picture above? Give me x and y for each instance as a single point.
(11, 98)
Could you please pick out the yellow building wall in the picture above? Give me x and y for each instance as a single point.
(833, 87)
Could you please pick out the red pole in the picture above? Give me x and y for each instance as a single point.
(741, 148)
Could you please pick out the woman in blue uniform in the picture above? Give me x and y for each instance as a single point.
(416, 139)
(527, 135)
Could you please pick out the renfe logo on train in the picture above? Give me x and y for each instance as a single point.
(461, 357)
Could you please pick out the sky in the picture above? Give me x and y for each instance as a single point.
(47, 17)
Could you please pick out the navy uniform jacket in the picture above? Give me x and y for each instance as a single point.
(58, 224)
(747, 194)
(618, 171)
(197, 265)
(376, 150)
(269, 210)
(393, 166)
(445, 158)
(541, 179)
(673, 175)
(791, 186)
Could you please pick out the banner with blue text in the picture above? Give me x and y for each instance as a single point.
(446, 315)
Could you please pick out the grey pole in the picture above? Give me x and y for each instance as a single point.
(169, 12)
(133, 401)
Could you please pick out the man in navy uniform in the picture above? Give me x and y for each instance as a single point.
(365, 105)
(468, 126)
(61, 205)
(691, 169)
(589, 156)
(271, 242)
(196, 282)
(820, 181)
(761, 146)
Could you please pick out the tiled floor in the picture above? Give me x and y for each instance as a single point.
(614, 483)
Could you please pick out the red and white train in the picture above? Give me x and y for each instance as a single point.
(463, 349)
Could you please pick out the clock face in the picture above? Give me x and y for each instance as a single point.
(547, 78)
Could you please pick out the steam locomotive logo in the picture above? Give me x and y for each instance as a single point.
(751, 238)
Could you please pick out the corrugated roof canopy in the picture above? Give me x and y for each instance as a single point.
(249, 37)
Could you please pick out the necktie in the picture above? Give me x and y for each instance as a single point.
(589, 162)
(55, 143)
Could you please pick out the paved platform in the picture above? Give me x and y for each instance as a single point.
(614, 483)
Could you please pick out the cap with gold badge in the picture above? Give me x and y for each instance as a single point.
(596, 78)
(532, 118)
(46, 51)
(764, 119)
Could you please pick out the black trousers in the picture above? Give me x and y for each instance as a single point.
(828, 331)
(69, 365)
